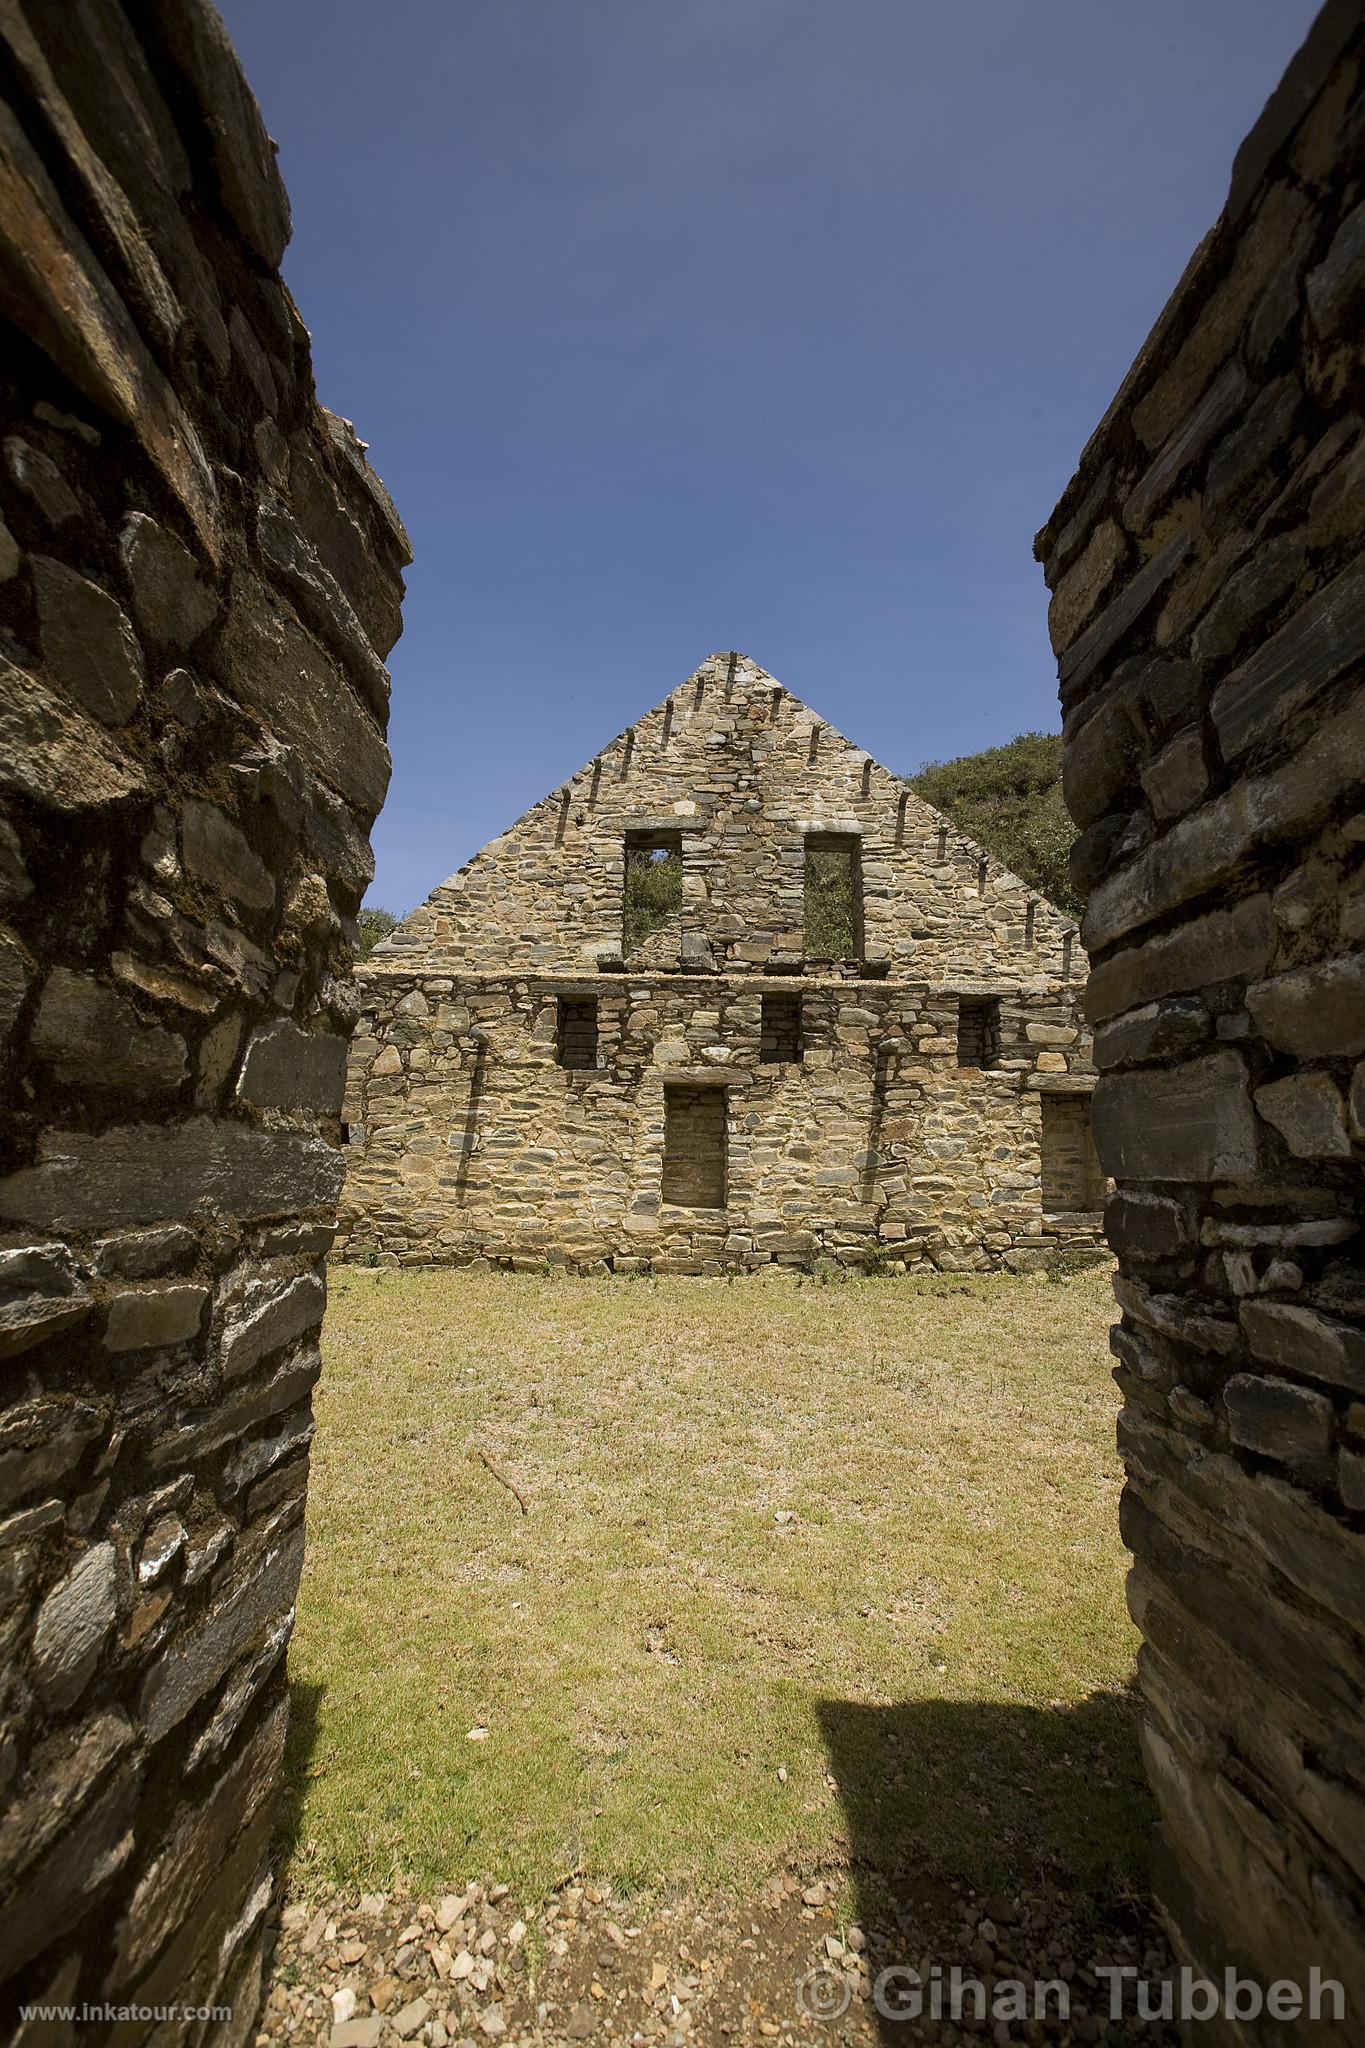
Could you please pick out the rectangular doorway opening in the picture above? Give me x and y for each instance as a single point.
(694, 1146)
(1073, 1178)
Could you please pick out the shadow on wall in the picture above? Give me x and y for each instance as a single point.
(1006, 1797)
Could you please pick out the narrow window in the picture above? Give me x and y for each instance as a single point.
(694, 1146)
(834, 906)
(1072, 1176)
(653, 887)
(978, 1031)
(780, 1030)
(576, 1031)
(345, 1134)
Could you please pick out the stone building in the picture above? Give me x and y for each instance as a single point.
(1208, 614)
(733, 994)
(200, 576)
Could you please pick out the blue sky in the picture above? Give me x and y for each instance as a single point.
(676, 325)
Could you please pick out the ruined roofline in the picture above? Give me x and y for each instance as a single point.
(725, 664)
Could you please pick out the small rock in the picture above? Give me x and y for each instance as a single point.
(411, 2019)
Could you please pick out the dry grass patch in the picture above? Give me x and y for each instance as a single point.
(806, 1568)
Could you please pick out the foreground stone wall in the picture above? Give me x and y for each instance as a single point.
(468, 1140)
(199, 578)
(1209, 619)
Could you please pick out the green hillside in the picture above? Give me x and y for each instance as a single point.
(1009, 799)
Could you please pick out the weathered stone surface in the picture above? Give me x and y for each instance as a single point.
(1085, 582)
(141, 1254)
(263, 1453)
(173, 601)
(63, 1885)
(217, 852)
(55, 754)
(16, 973)
(1309, 1112)
(1239, 431)
(1118, 618)
(91, 1037)
(73, 1625)
(146, 1173)
(1162, 1030)
(42, 1441)
(1223, 400)
(1338, 282)
(1205, 849)
(1149, 1226)
(196, 1846)
(1225, 945)
(286, 1068)
(143, 1317)
(89, 648)
(1278, 1418)
(1274, 569)
(174, 882)
(199, 1657)
(1101, 762)
(1319, 642)
(1177, 779)
(1315, 1011)
(295, 564)
(267, 660)
(243, 154)
(269, 1314)
(1193, 1122)
(41, 1292)
(1301, 1339)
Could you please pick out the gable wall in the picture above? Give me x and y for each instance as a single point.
(743, 771)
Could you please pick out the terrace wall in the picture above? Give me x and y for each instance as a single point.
(1208, 613)
(199, 579)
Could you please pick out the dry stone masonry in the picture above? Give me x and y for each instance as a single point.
(199, 580)
(734, 995)
(1208, 614)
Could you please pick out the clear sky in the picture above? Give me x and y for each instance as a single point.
(677, 325)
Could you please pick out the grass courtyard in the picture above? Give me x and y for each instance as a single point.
(807, 1574)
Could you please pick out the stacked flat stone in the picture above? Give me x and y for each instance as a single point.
(1208, 614)
(470, 1141)
(199, 578)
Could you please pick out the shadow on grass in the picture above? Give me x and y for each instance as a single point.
(305, 1701)
(1003, 1797)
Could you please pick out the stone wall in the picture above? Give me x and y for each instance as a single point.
(1209, 620)
(199, 579)
(743, 772)
(469, 1140)
(894, 1136)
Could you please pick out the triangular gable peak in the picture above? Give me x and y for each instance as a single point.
(737, 774)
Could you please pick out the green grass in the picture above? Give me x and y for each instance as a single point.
(927, 1666)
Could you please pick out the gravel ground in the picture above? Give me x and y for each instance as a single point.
(471, 1969)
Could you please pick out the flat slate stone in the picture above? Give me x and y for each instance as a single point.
(152, 1173)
